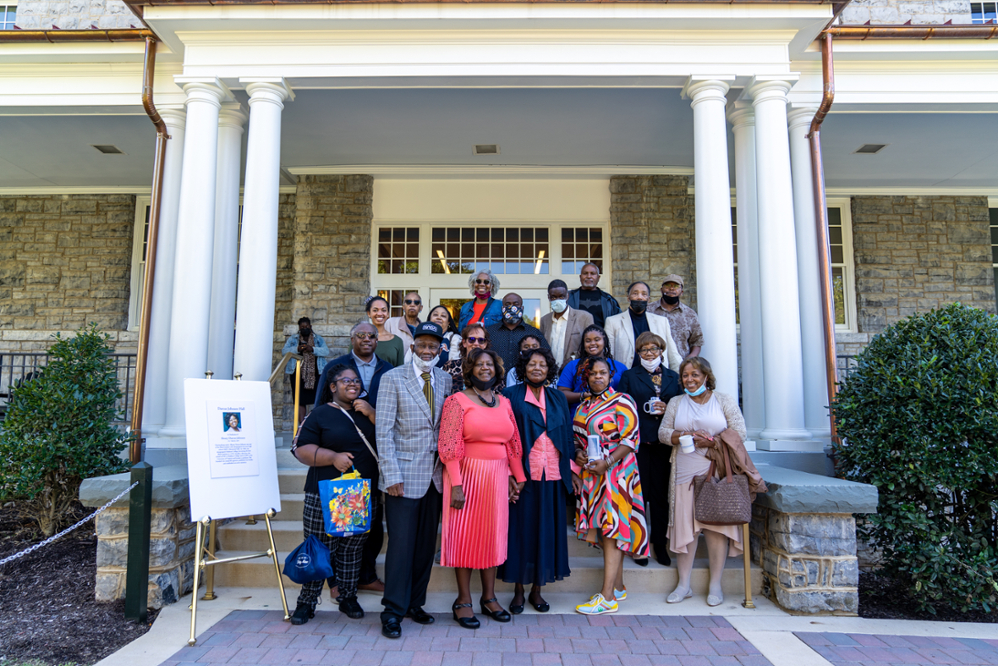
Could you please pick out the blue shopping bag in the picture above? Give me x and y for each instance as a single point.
(346, 504)
(308, 562)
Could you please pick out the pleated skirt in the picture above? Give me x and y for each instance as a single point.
(538, 538)
(474, 537)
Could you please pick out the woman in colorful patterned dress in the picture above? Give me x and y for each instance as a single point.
(480, 448)
(611, 509)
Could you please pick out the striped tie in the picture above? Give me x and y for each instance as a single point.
(428, 390)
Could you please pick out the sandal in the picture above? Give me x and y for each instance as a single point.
(500, 615)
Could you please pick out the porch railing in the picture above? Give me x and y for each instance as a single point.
(19, 367)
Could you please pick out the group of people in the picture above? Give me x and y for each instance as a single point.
(490, 429)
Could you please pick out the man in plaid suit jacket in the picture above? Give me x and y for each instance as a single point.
(408, 427)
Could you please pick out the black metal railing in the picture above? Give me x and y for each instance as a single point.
(19, 367)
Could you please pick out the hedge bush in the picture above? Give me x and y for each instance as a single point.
(919, 418)
(59, 429)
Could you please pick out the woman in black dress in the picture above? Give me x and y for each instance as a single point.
(537, 551)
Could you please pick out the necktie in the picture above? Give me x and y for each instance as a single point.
(428, 390)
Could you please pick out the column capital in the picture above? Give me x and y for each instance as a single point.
(268, 89)
(174, 115)
(743, 116)
(232, 115)
(765, 88)
(801, 116)
(208, 89)
(704, 88)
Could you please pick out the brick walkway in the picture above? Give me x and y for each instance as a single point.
(262, 637)
(877, 649)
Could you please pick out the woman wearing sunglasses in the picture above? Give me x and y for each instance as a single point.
(483, 309)
(472, 337)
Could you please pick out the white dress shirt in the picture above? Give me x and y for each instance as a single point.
(559, 330)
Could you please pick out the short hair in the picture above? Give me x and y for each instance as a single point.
(475, 327)
(647, 338)
(525, 357)
(493, 282)
(413, 291)
(631, 286)
(468, 365)
(334, 374)
(304, 319)
(557, 284)
(374, 299)
(586, 367)
(703, 365)
(589, 263)
(353, 329)
(530, 336)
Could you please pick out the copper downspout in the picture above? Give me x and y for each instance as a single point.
(148, 74)
(821, 219)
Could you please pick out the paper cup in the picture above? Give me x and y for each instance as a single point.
(686, 443)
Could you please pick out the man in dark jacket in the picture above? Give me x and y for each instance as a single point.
(362, 360)
(591, 298)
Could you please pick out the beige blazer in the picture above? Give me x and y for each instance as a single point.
(620, 330)
(577, 322)
(398, 326)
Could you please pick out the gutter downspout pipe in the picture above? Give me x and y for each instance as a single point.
(148, 76)
(821, 218)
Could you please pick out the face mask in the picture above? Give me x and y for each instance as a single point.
(559, 306)
(699, 391)
(421, 365)
(670, 300)
(639, 306)
(532, 384)
(304, 332)
(512, 313)
(651, 366)
(483, 385)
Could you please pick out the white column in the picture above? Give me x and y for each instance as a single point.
(715, 261)
(258, 241)
(781, 337)
(157, 359)
(195, 240)
(223, 270)
(809, 285)
(749, 303)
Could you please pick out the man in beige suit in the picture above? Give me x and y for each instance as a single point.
(563, 326)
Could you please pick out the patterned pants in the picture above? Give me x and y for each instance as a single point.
(345, 553)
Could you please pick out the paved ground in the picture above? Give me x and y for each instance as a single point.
(881, 649)
(261, 637)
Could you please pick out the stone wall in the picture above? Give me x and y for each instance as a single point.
(895, 12)
(914, 254)
(651, 233)
(65, 261)
(74, 15)
(285, 292)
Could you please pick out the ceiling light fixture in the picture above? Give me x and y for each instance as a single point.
(487, 149)
(540, 260)
(870, 148)
(443, 262)
(109, 150)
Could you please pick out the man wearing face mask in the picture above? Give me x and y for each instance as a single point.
(563, 326)
(506, 336)
(314, 354)
(683, 319)
(624, 329)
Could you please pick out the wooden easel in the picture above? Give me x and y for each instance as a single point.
(202, 551)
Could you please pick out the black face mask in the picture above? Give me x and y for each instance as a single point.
(639, 307)
(532, 384)
(670, 300)
(483, 385)
(304, 332)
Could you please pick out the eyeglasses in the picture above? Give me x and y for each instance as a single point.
(650, 350)
(348, 381)
(365, 336)
(475, 341)
(409, 302)
(483, 281)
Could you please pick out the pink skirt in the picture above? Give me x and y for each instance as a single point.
(475, 536)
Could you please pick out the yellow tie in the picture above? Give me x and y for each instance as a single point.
(428, 390)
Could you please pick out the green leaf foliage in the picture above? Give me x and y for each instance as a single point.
(919, 420)
(58, 429)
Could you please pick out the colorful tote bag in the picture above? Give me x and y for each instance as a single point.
(346, 504)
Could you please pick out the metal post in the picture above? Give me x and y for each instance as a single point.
(277, 565)
(209, 574)
(746, 551)
(139, 525)
(198, 566)
(294, 394)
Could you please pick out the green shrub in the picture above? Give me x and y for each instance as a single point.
(919, 416)
(58, 429)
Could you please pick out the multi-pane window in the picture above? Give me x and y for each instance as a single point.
(398, 250)
(8, 15)
(581, 246)
(394, 298)
(509, 250)
(836, 246)
(982, 12)
(994, 245)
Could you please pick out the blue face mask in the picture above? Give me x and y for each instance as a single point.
(699, 391)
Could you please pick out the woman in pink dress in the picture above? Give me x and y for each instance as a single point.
(480, 448)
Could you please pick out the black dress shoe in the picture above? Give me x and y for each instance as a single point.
(419, 616)
(351, 608)
(516, 609)
(542, 607)
(391, 628)
(641, 562)
(466, 622)
(303, 613)
(500, 615)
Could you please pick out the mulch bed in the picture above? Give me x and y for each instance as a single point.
(884, 598)
(47, 599)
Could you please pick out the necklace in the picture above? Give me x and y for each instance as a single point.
(484, 401)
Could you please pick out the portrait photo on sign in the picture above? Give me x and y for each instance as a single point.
(232, 421)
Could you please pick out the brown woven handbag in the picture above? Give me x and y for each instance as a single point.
(724, 501)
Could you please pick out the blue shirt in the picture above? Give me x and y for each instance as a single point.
(366, 369)
(574, 383)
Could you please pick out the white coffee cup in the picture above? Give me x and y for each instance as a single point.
(594, 451)
(686, 443)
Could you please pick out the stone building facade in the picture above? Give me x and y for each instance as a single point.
(896, 12)
(75, 15)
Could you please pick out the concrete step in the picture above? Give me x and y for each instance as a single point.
(586, 577)
(291, 480)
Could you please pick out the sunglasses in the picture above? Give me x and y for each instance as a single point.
(483, 282)
(409, 302)
(365, 336)
(473, 340)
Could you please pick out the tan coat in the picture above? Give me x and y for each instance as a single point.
(578, 321)
(740, 461)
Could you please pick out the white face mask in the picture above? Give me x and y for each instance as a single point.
(652, 365)
(421, 365)
(559, 306)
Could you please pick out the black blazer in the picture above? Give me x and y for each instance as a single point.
(636, 382)
(371, 396)
(531, 424)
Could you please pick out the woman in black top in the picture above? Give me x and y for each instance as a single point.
(652, 384)
(330, 442)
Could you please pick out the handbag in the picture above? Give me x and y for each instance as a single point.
(308, 562)
(346, 504)
(724, 501)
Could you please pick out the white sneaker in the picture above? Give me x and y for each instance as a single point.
(620, 594)
(597, 606)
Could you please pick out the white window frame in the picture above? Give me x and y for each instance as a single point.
(981, 21)
(3, 7)
(142, 202)
(848, 265)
